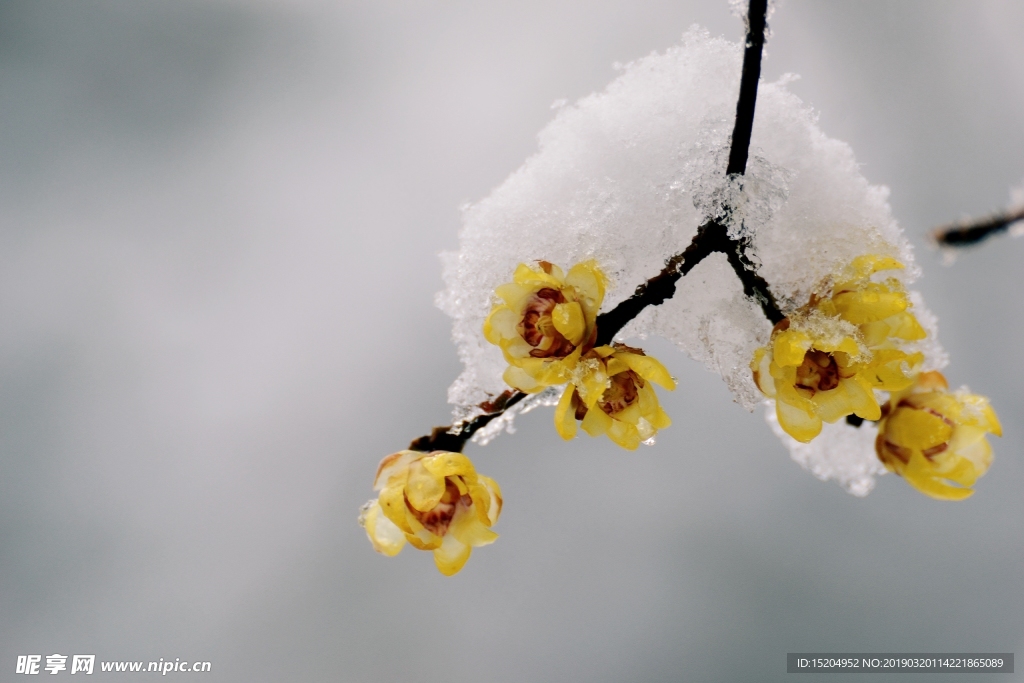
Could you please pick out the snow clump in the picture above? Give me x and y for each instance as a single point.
(626, 176)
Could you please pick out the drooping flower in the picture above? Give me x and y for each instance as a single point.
(611, 394)
(814, 374)
(931, 436)
(435, 501)
(826, 359)
(546, 322)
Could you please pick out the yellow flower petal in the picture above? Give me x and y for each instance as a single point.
(648, 399)
(905, 326)
(892, 370)
(565, 418)
(590, 387)
(462, 485)
(862, 398)
(386, 538)
(649, 368)
(494, 509)
(396, 464)
(518, 378)
(596, 422)
(445, 464)
(451, 556)
(870, 304)
(978, 412)
(423, 539)
(918, 429)
(588, 279)
(849, 346)
(392, 502)
(834, 404)
(645, 429)
(631, 414)
(516, 351)
(660, 419)
(424, 489)
(501, 325)
(932, 380)
(969, 443)
(799, 423)
(918, 474)
(569, 321)
(790, 347)
(978, 454)
(468, 529)
(624, 434)
(481, 498)
(958, 470)
(863, 267)
(514, 295)
(530, 277)
(615, 365)
(761, 367)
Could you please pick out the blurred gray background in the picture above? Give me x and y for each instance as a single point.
(218, 228)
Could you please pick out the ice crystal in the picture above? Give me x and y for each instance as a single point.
(506, 421)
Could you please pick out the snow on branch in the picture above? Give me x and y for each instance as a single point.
(712, 237)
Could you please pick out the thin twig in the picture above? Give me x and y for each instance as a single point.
(964, 234)
(712, 237)
(453, 439)
(757, 17)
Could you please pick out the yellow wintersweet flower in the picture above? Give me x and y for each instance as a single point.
(435, 501)
(930, 437)
(825, 360)
(813, 369)
(880, 310)
(611, 394)
(547, 320)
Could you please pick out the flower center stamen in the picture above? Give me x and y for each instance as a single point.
(538, 328)
(818, 372)
(623, 392)
(437, 519)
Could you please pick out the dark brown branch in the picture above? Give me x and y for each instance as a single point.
(756, 24)
(964, 234)
(443, 438)
(711, 237)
